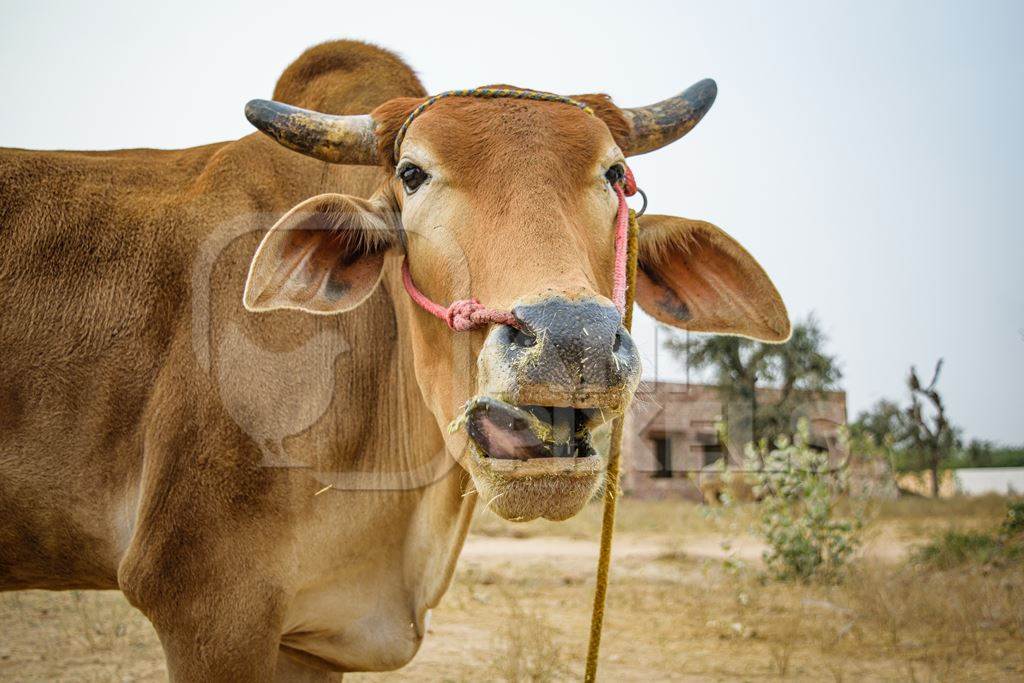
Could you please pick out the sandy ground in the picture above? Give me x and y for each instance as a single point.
(684, 605)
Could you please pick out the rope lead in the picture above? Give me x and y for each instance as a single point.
(611, 491)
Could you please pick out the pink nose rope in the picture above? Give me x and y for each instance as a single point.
(627, 188)
(469, 314)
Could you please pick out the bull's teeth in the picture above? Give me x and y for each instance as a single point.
(563, 425)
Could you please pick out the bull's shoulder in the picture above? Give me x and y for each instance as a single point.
(50, 175)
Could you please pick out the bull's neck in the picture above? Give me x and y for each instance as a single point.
(411, 445)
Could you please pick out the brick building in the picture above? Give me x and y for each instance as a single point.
(671, 437)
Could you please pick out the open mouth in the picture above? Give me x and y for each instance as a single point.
(507, 432)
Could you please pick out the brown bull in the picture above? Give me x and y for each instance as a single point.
(261, 442)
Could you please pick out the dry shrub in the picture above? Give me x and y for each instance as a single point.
(781, 653)
(527, 648)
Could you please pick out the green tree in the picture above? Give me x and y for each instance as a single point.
(881, 431)
(799, 369)
(875, 447)
(979, 453)
(882, 425)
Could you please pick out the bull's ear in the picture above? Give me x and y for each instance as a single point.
(693, 276)
(324, 256)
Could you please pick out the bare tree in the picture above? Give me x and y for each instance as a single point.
(931, 435)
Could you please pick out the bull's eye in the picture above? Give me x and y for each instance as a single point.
(412, 176)
(615, 174)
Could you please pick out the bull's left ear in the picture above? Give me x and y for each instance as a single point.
(324, 256)
(693, 276)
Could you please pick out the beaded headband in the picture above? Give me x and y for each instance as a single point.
(485, 92)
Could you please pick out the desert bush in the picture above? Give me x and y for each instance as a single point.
(953, 548)
(1013, 525)
(806, 536)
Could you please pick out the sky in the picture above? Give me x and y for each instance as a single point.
(869, 154)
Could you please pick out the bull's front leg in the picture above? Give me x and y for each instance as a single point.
(211, 551)
(225, 637)
(217, 610)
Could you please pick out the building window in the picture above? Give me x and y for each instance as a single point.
(711, 453)
(708, 449)
(662, 457)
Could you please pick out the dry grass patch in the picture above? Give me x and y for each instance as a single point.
(914, 518)
(76, 635)
(516, 614)
(921, 614)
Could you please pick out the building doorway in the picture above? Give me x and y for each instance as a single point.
(662, 457)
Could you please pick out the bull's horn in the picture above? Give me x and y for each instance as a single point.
(337, 139)
(655, 126)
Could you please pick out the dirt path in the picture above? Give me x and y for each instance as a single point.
(710, 547)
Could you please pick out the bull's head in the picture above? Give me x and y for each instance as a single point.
(509, 201)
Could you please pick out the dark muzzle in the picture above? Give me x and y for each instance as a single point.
(575, 353)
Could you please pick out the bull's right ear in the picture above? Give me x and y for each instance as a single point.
(324, 256)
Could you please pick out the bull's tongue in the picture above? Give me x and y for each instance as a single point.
(510, 432)
(504, 431)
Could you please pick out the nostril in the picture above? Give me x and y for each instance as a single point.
(619, 336)
(523, 338)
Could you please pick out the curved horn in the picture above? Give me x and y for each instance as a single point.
(337, 139)
(660, 124)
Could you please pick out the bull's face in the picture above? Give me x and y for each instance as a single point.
(511, 202)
